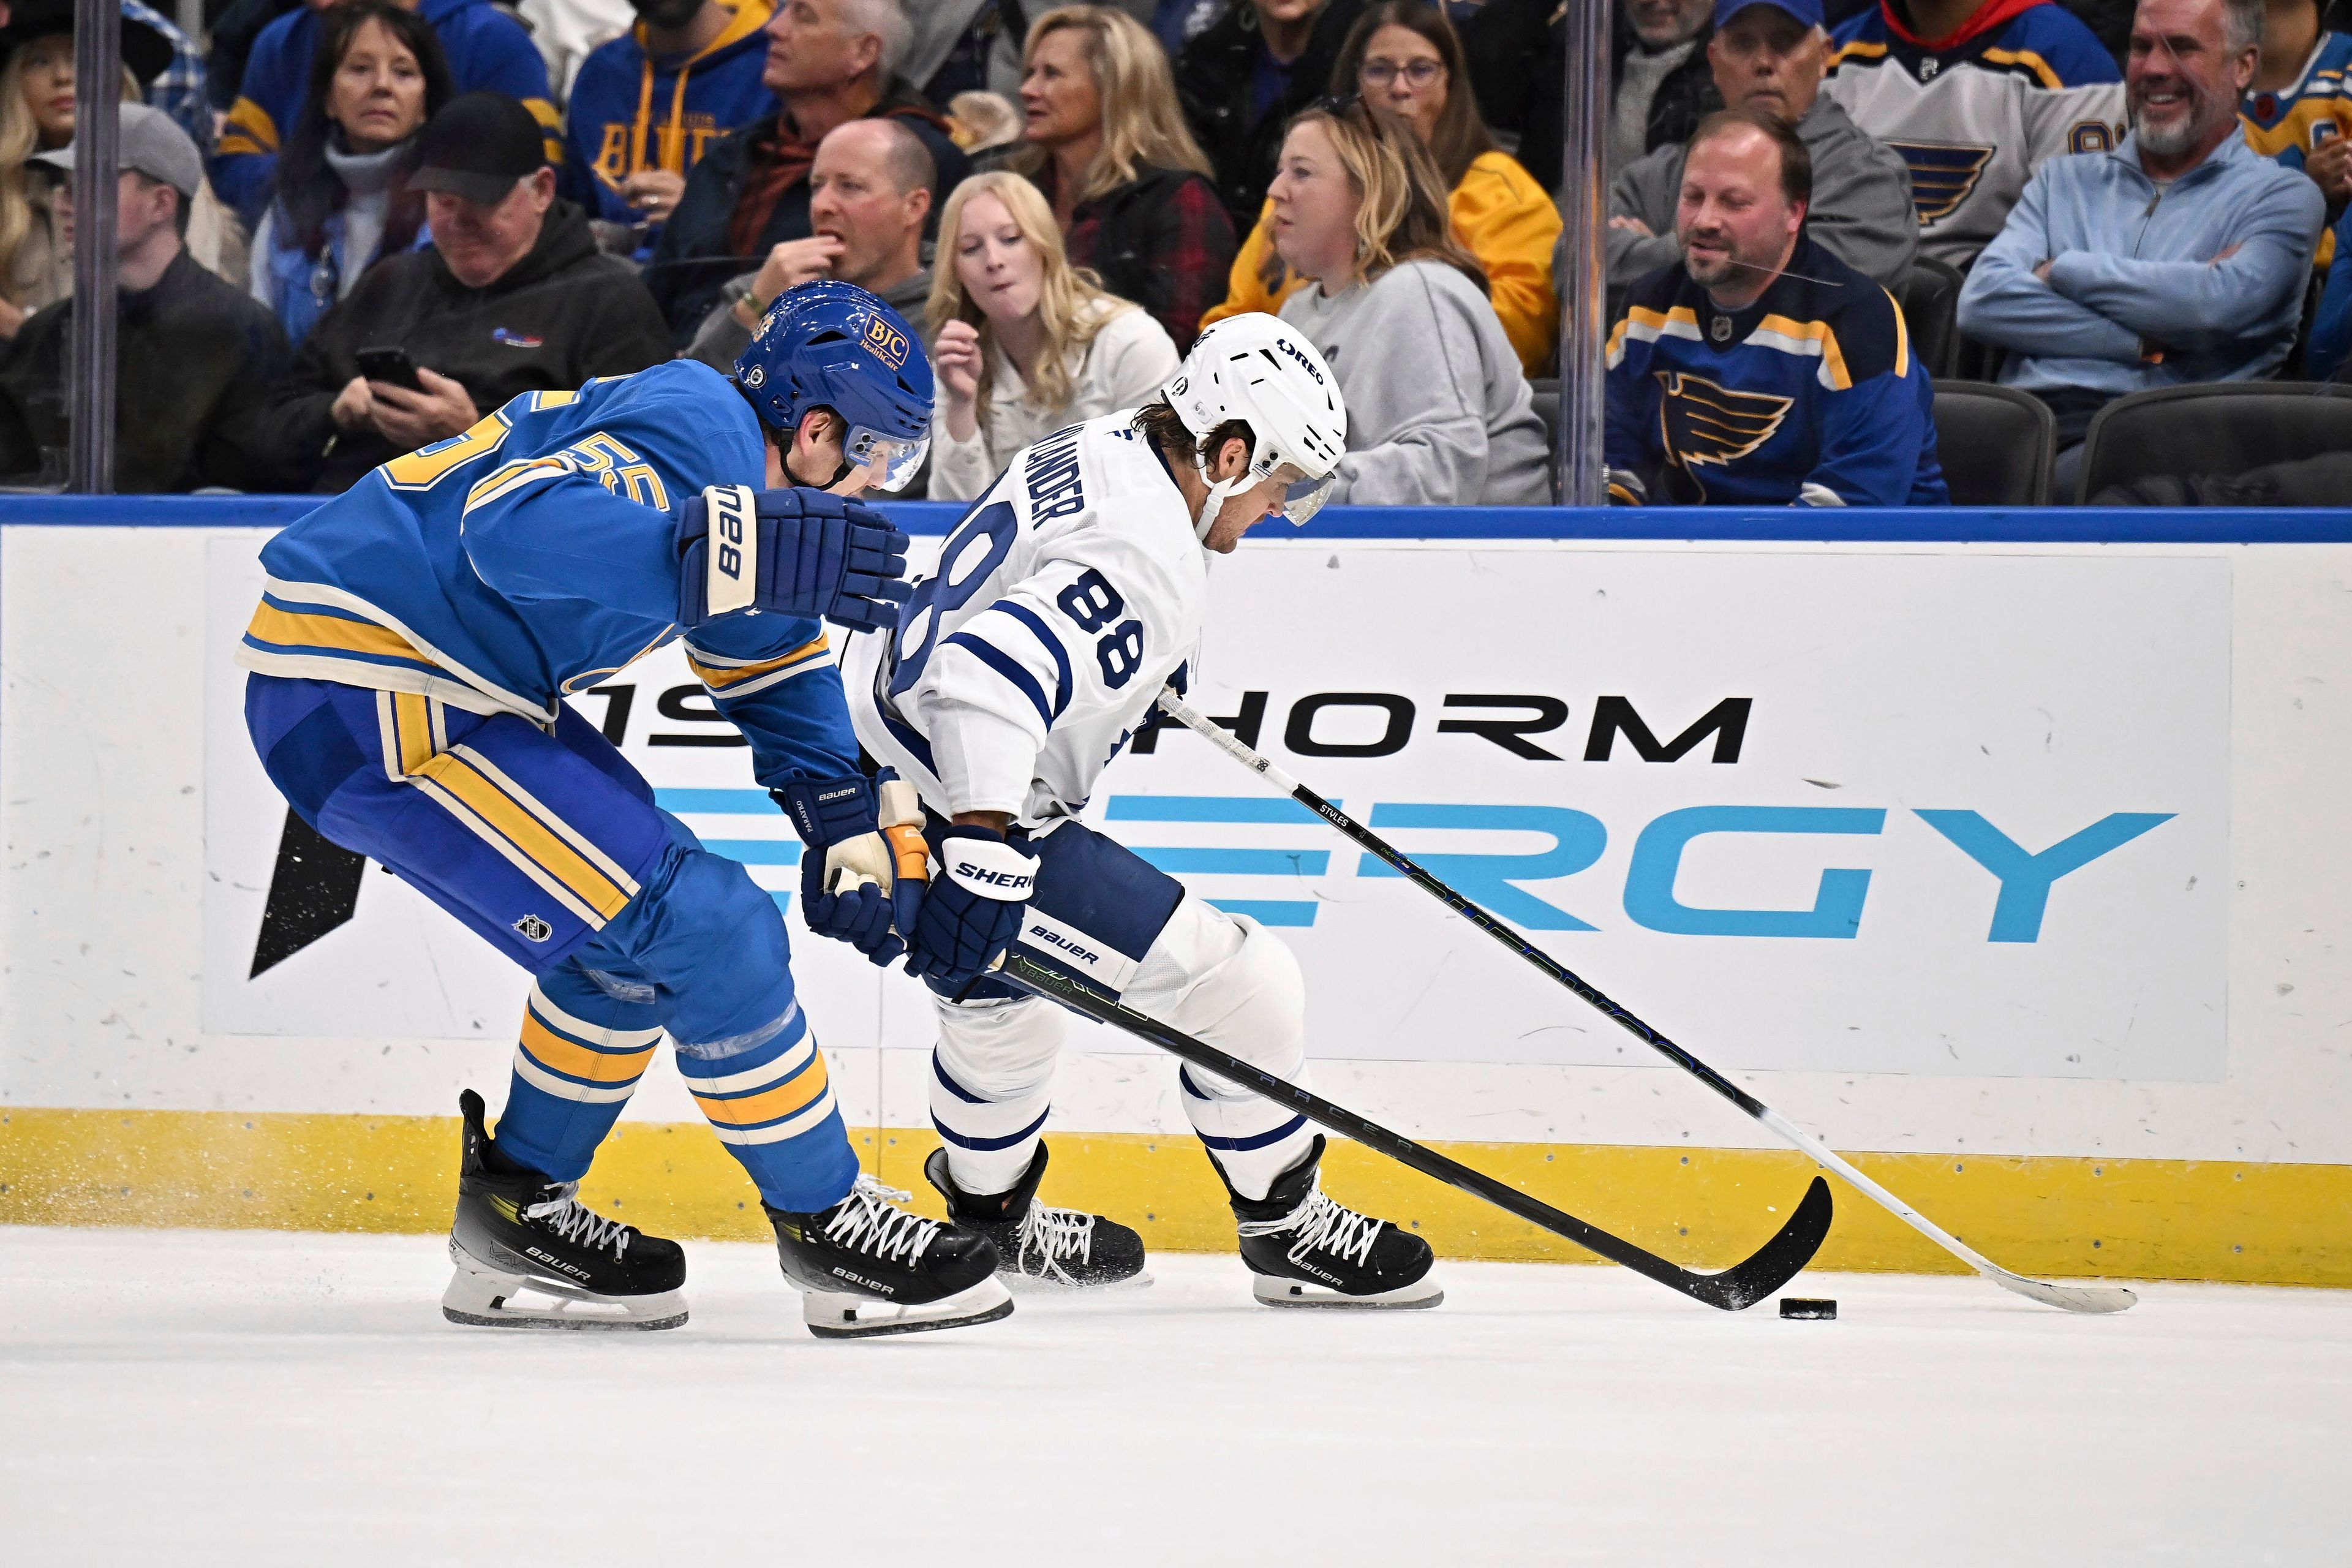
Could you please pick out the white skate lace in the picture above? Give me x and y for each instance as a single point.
(865, 1222)
(1056, 1234)
(562, 1215)
(1322, 1222)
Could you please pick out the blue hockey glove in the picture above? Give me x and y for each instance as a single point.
(972, 912)
(859, 875)
(790, 552)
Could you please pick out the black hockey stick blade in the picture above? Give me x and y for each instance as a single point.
(1772, 1265)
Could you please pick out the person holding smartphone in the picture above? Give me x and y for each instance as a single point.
(512, 295)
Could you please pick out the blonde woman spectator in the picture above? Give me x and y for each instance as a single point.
(1025, 343)
(1128, 186)
(1439, 413)
(1404, 56)
(36, 115)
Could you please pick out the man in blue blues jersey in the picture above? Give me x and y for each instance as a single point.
(1762, 370)
(410, 657)
(2297, 112)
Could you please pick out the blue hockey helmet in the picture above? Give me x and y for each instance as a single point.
(833, 345)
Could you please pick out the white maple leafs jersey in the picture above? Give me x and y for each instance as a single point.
(2025, 82)
(1063, 600)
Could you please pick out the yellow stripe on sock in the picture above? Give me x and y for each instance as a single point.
(766, 1106)
(556, 1054)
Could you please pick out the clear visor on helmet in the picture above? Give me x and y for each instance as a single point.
(1302, 498)
(892, 459)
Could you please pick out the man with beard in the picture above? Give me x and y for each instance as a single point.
(1760, 370)
(646, 105)
(1769, 55)
(1662, 82)
(2181, 256)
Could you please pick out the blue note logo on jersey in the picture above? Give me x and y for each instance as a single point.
(1942, 175)
(1707, 422)
(888, 343)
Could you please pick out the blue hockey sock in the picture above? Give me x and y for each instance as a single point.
(769, 1101)
(582, 1052)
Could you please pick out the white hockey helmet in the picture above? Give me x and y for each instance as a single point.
(1256, 368)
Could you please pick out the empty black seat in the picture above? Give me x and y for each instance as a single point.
(1995, 444)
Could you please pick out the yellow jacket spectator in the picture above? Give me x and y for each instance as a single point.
(1403, 56)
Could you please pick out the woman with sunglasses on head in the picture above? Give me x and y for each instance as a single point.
(1439, 412)
(1404, 56)
(1024, 343)
(1128, 187)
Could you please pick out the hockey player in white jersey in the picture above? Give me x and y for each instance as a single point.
(1066, 598)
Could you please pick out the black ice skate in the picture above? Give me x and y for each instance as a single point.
(1038, 1243)
(1307, 1250)
(529, 1257)
(866, 1266)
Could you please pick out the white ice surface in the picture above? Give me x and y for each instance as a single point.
(250, 1398)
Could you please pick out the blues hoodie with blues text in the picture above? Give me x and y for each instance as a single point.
(633, 111)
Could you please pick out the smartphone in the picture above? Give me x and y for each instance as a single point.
(390, 364)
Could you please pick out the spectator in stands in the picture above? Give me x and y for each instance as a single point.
(1129, 187)
(1403, 57)
(511, 296)
(870, 196)
(1759, 369)
(1242, 80)
(205, 423)
(1769, 55)
(1439, 413)
(966, 46)
(488, 51)
(1976, 95)
(166, 66)
(1176, 22)
(1664, 82)
(567, 32)
(37, 111)
(828, 61)
(2181, 256)
(342, 194)
(1023, 345)
(646, 106)
(36, 114)
(2299, 111)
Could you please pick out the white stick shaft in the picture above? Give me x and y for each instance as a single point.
(1231, 745)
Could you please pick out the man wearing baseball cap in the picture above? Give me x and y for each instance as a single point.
(1769, 56)
(511, 296)
(199, 362)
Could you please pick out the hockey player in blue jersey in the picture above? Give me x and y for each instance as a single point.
(1761, 370)
(410, 656)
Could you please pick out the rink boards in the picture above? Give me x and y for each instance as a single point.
(2016, 861)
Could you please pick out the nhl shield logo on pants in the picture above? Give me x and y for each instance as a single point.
(533, 929)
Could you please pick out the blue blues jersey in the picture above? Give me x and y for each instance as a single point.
(2290, 126)
(1811, 395)
(527, 559)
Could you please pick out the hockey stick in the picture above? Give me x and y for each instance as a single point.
(2072, 1298)
(1773, 1265)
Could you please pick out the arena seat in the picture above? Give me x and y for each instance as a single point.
(2224, 427)
(1995, 444)
(1931, 307)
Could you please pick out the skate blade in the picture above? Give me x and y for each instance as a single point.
(1274, 1292)
(482, 1299)
(832, 1315)
(1046, 1285)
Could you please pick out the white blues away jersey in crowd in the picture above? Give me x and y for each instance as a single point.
(1975, 114)
(1063, 600)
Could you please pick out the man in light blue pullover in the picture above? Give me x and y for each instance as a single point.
(2180, 257)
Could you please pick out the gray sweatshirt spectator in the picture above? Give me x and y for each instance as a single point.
(1770, 56)
(1439, 413)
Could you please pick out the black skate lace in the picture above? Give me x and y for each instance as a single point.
(562, 1215)
(1322, 1222)
(1056, 1234)
(865, 1222)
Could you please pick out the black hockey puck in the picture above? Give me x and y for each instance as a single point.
(1807, 1307)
